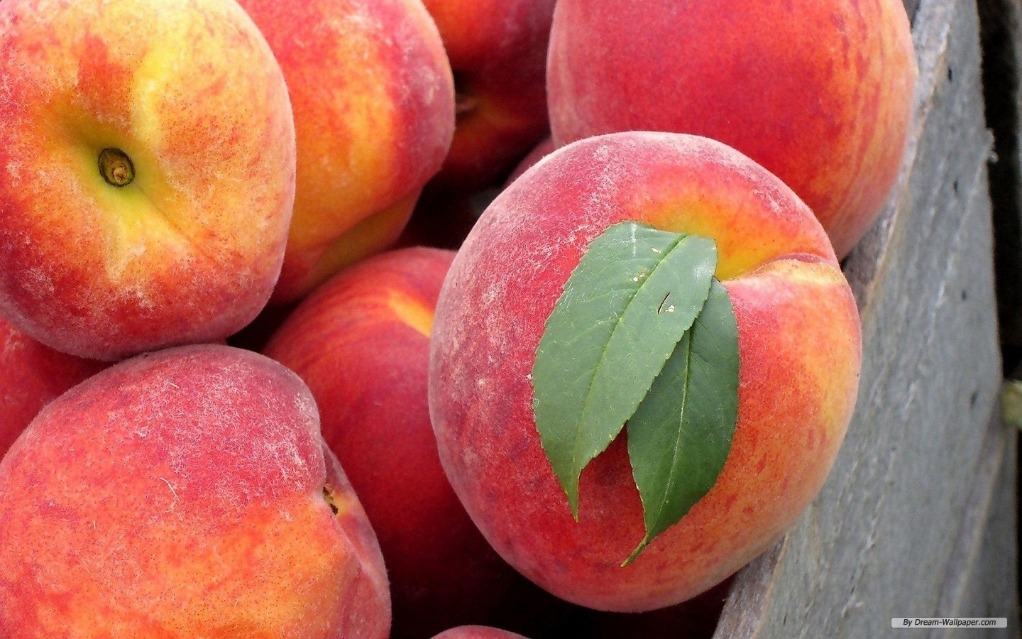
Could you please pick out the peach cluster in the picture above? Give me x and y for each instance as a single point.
(276, 278)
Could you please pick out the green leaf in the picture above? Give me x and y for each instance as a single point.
(622, 312)
(680, 435)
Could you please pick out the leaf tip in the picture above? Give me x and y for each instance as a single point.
(572, 502)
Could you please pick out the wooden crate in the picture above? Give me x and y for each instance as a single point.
(918, 518)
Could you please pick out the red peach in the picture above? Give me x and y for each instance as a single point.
(185, 493)
(820, 92)
(696, 618)
(799, 344)
(31, 375)
(497, 50)
(361, 343)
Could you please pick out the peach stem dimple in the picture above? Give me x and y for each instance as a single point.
(328, 496)
(116, 167)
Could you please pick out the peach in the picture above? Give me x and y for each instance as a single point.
(31, 375)
(497, 50)
(820, 92)
(147, 162)
(361, 343)
(799, 344)
(373, 100)
(185, 493)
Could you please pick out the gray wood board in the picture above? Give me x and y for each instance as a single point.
(877, 542)
(982, 575)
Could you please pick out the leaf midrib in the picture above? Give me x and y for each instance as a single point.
(676, 453)
(583, 416)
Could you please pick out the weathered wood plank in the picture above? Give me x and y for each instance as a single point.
(981, 581)
(878, 541)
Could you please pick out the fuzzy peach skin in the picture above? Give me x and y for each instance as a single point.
(185, 493)
(361, 343)
(190, 248)
(31, 375)
(799, 344)
(820, 92)
(497, 49)
(373, 100)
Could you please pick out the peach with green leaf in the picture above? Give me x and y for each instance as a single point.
(644, 360)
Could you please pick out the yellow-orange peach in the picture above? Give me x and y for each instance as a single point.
(373, 99)
(799, 347)
(147, 161)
